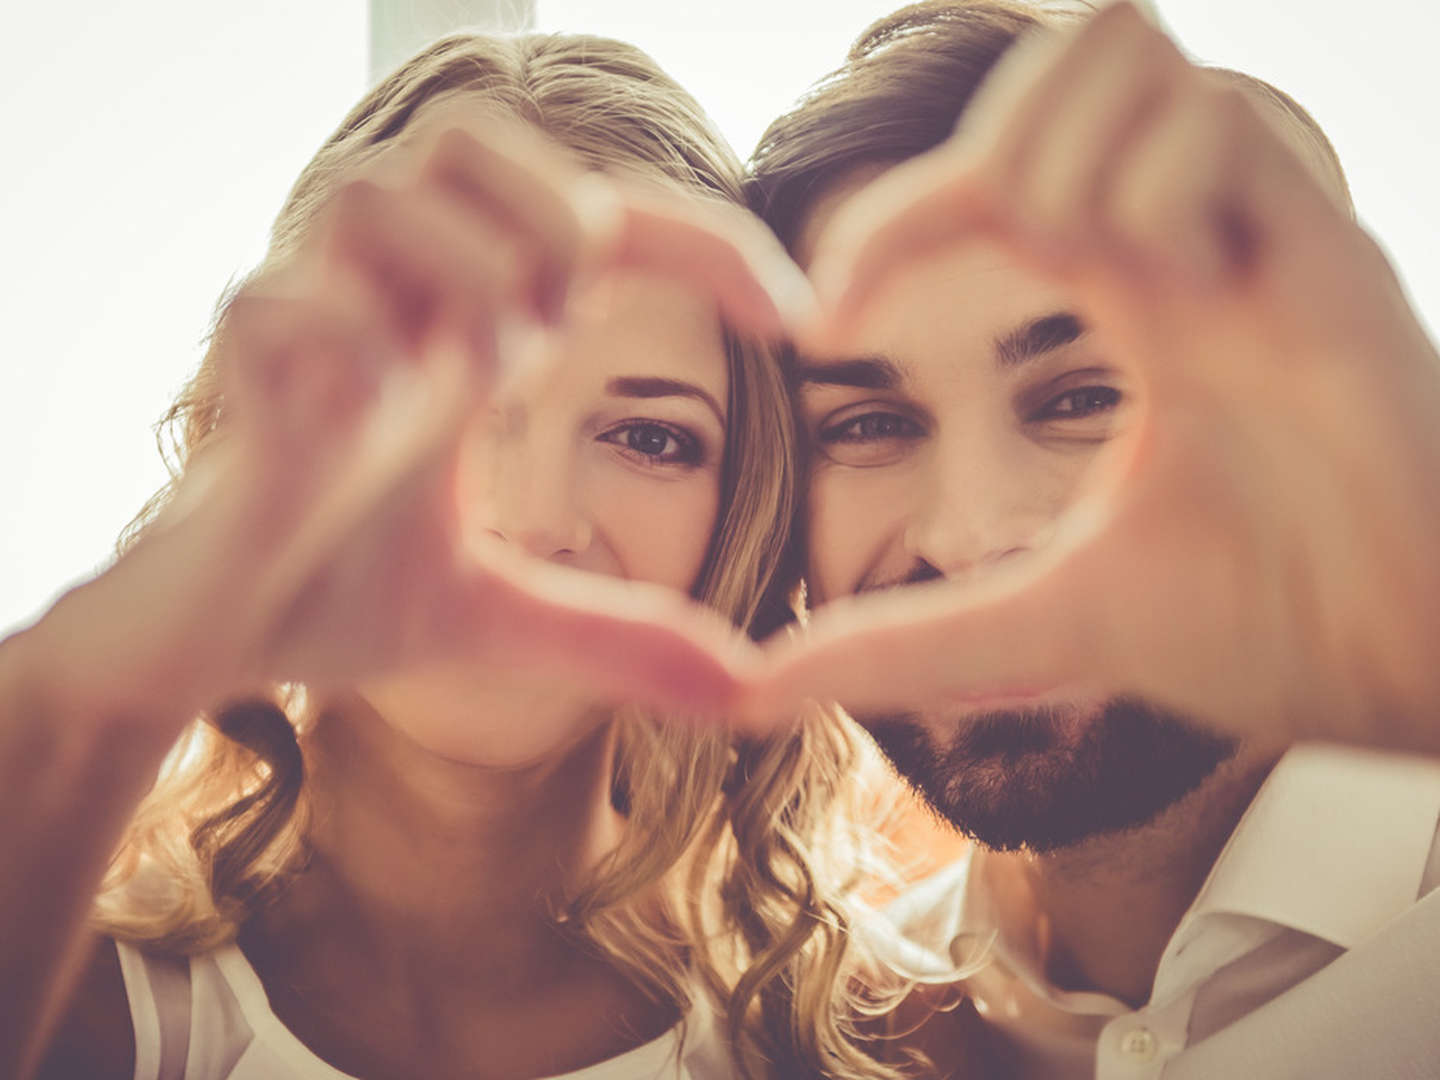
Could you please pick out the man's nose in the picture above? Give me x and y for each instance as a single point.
(976, 506)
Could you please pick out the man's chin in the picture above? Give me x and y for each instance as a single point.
(1016, 731)
(1053, 775)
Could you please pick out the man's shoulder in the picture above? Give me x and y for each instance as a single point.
(1337, 843)
(1369, 1012)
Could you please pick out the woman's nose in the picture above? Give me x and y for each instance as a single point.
(537, 514)
(533, 500)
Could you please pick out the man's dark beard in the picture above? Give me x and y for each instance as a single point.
(1014, 779)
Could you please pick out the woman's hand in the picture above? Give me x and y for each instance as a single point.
(316, 538)
(1260, 548)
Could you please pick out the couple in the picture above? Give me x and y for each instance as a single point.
(1109, 374)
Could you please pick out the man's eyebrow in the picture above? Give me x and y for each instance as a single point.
(1037, 337)
(863, 373)
(653, 386)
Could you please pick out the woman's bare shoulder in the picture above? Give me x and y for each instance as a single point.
(94, 1038)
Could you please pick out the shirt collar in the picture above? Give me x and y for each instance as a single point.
(1334, 844)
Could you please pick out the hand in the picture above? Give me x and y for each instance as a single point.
(1257, 549)
(317, 538)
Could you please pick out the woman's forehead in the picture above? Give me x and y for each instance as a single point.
(645, 324)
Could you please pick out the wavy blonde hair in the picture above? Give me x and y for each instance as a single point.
(752, 844)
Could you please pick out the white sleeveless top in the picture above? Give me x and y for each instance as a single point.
(208, 1018)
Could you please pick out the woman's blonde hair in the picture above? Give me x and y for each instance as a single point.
(769, 840)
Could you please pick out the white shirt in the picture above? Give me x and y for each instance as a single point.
(208, 1018)
(1312, 950)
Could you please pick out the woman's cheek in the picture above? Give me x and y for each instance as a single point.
(657, 527)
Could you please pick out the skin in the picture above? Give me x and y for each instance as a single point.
(328, 525)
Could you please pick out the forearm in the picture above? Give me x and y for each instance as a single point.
(68, 785)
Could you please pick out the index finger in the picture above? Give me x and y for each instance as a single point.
(917, 209)
(721, 251)
(1018, 636)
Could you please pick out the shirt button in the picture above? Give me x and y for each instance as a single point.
(1139, 1044)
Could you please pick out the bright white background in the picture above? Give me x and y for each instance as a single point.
(148, 144)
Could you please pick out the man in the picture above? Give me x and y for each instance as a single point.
(1114, 367)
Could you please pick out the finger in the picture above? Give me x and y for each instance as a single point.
(719, 250)
(409, 433)
(1291, 227)
(916, 210)
(527, 189)
(1168, 204)
(1094, 107)
(1033, 631)
(298, 364)
(438, 270)
(965, 188)
(629, 641)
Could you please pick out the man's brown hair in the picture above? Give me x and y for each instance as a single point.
(903, 87)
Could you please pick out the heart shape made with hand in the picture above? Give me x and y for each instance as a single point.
(1250, 552)
(1253, 550)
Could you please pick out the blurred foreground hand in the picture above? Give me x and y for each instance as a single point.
(316, 536)
(1262, 548)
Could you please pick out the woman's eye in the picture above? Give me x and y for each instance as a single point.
(1081, 402)
(655, 443)
(872, 438)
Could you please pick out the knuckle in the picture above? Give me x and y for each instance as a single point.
(355, 203)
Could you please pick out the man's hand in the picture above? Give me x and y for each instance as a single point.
(1259, 548)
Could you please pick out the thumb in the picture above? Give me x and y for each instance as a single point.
(1030, 630)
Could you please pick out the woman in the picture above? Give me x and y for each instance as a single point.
(441, 847)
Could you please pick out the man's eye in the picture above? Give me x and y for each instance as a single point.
(873, 438)
(876, 425)
(1078, 403)
(654, 443)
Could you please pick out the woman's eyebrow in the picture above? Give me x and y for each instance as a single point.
(654, 386)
